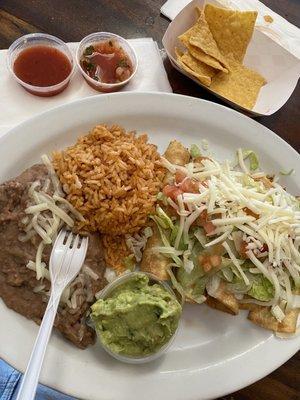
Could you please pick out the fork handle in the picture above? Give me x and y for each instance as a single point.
(31, 377)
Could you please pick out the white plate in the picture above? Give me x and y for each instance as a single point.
(214, 353)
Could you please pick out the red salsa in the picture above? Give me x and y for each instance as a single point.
(42, 66)
(106, 62)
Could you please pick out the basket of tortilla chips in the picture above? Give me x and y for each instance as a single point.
(220, 50)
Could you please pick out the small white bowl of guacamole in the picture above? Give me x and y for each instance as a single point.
(136, 318)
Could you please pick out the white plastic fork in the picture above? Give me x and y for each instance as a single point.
(66, 259)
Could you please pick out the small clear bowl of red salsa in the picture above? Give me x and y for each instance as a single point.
(43, 64)
(107, 61)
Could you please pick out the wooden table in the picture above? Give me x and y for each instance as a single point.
(71, 20)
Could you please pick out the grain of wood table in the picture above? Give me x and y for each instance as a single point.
(71, 20)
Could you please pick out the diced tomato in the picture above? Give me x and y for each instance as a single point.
(206, 266)
(243, 249)
(203, 217)
(179, 176)
(209, 227)
(172, 212)
(172, 191)
(209, 261)
(264, 248)
(204, 221)
(250, 212)
(215, 260)
(189, 186)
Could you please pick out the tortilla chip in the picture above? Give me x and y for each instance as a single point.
(232, 30)
(202, 38)
(262, 316)
(199, 11)
(152, 261)
(203, 79)
(241, 85)
(247, 306)
(194, 67)
(223, 301)
(198, 53)
(205, 58)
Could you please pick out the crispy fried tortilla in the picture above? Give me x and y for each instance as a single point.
(177, 154)
(262, 316)
(152, 261)
(223, 301)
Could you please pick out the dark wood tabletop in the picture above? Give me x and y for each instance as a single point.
(73, 19)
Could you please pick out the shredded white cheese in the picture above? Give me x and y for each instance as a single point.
(45, 216)
(237, 200)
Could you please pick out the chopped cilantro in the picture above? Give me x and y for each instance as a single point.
(87, 65)
(123, 63)
(88, 51)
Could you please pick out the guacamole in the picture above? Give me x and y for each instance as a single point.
(137, 318)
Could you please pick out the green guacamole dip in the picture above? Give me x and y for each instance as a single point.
(137, 318)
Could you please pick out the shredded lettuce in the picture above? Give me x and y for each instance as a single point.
(193, 283)
(168, 251)
(173, 236)
(287, 173)
(251, 183)
(159, 221)
(177, 286)
(163, 198)
(200, 236)
(188, 264)
(195, 151)
(253, 159)
(227, 274)
(166, 243)
(164, 217)
(238, 285)
(262, 289)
